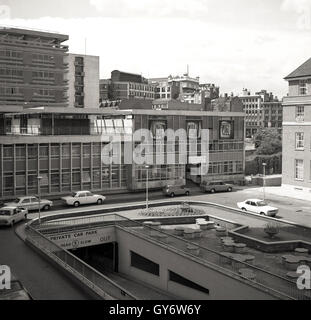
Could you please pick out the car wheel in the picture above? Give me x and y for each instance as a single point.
(229, 189)
(213, 191)
(243, 209)
(76, 204)
(172, 195)
(99, 201)
(262, 213)
(12, 223)
(187, 193)
(46, 207)
(25, 216)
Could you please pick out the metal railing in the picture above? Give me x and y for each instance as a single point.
(94, 280)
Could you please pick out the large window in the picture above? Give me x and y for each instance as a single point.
(300, 141)
(300, 113)
(299, 172)
(302, 87)
(139, 262)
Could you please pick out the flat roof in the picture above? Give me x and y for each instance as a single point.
(33, 32)
(113, 111)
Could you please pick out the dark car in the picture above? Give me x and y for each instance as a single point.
(216, 186)
(173, 191)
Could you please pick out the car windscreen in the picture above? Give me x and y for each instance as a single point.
(17, 200)
(5, 212)
(262, 203)
(73, 194)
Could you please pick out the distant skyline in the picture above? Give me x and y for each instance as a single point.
(234, 44)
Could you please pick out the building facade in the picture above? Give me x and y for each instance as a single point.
(83, 80)
(124, 85)
(261, 110)
(272, 115)
(297, 131)
(33, 68)
(69, 144)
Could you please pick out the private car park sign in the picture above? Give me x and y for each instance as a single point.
(85, 238)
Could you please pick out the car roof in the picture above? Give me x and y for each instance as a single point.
(254, 200)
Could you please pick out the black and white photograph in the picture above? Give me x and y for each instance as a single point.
(155, 154)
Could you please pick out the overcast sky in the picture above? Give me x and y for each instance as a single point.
(232, 43)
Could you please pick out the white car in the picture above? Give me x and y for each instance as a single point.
(30, 203)
(11, 215)
(83, 197)
(258, 206)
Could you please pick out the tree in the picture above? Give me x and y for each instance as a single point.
(268, 141)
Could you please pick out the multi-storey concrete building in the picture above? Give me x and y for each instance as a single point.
(83, 80)
(32, 68)
(297, 131)
(253, 112)
(272, 115)
(262, 110)
(124, 85)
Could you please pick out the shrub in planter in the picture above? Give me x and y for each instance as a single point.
(272, 229)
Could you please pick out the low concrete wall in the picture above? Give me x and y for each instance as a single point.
(273, 181)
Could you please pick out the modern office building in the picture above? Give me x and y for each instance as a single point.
(83, 81)
(33, 68)
(297, 131)
(124, 85)
(262, 110)
(272, 115)
(68, 146)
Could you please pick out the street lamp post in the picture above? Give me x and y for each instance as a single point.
(264, 180)
(39, 197)
(147, 186)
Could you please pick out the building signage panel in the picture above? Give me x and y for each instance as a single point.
(226, 129)
(85, 238)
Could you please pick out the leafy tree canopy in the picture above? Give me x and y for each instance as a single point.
(268, 141)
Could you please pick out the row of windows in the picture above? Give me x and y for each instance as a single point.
(10, 53)
(113, 174)
(11, 72)
(141, 87)
(141, 94)
(158, 173)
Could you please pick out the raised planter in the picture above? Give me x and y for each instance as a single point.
(301, 251)
(239, 248)
(247, 273)
(228, 246)
(197, 233)
(221, 232)
(189, 234)
(193, 249)
(179, 231)
(292, 263)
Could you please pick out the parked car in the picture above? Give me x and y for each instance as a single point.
(30, 203)
(83, 197)
(173, 191)
(11, 215)
(258, 206)
(216, 186)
